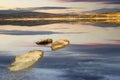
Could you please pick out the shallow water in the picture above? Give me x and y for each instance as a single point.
(93, 53)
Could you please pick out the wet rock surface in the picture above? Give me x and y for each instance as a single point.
(26, 60)
(59, 44)
(44, 41)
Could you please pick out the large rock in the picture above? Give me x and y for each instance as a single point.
(26, 60)
(59, 44)
(44, 42)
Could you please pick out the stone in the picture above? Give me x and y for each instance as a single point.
(59, 44)
(26, 60)
(44, 42)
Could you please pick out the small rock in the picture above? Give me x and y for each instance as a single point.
(44, 42)
(26, 61)
(59, 44)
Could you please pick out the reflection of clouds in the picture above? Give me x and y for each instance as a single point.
(115, 41)
(51, 27)
(105, 49)
(74, 62)
(105, 25)
(76, 33)
(18, 32)
(4, 53)
(92, 43)
(83, 50)
(86, 65)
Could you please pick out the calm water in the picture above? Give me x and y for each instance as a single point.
(94, 52)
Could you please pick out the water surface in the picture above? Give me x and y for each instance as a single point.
(93, 53)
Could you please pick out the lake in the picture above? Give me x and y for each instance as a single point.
(93, 53)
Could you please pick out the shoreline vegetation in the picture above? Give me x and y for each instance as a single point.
(35, 18)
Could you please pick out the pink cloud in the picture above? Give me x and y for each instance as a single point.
(101, 1)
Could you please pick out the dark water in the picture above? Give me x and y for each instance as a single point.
(76, 62)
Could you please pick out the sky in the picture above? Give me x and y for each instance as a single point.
(85, 4)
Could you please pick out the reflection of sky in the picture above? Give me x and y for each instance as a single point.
(77, 34)
(75, 62)
(92, 55)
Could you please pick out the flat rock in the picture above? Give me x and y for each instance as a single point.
(26, 60)
(44, 41)
(59, 44)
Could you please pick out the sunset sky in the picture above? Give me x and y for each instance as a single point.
(85, 4)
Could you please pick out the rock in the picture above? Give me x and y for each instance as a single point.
(59, 44)
(26, 60)
(44, 42)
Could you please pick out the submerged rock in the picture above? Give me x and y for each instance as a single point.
(60, 44)
(44, 42)
(26, 61)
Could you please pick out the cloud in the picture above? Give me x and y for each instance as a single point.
(102, 1)
(29, 9)
(104, 10)
(41, 8)
(1, 7)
